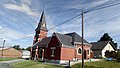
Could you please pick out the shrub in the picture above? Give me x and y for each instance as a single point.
(118, 56)
(111, 54)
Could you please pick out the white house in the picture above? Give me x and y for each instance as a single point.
(99, 48)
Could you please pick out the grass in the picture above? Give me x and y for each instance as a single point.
(32, 64)
(99, 64)
(7, 59)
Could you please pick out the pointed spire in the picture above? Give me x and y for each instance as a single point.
(42, 23)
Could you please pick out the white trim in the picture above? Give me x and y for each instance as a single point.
(53, 48)
(39, 39)
(57, 61)
(81, 43)
(52, 55)
(48, 42)
(63, 61)
(77, 51)
(89, 52)
(52, 51)
(54, 34)
(106, 44)
(35, 44)
(59, 39)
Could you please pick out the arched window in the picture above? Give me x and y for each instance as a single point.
(79, 51)
(88, 52)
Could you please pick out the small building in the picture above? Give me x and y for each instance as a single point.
(25, 54)
(58, 47)
(64, 47)
(99, 48)
(10, 53)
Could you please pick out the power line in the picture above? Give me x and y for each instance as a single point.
(84, 12)
(102, 7)
(65, 21)
(22, 38)
(12, 21)
(79, 15)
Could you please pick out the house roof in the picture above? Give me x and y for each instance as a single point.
(68, 39)
(42, 43)
(76, 37)
(4, 48)
(99, 45)
(7, 48)
(65, 40)
(42, 23)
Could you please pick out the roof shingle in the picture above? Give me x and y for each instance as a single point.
(99, 45)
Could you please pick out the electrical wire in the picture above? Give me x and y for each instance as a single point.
(65, 22)
(102, 7)
(79, 15)
(83, 12)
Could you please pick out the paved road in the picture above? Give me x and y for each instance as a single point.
(6, 64)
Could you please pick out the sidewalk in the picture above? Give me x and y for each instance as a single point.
(74, 62)
(12, 61)
(6, 64)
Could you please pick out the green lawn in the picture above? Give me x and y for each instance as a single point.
(7, 59)
(99, 64)
(32, 64)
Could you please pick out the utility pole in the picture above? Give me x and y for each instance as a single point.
(82, 40)
(2, 48)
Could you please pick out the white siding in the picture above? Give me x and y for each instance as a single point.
(107, 47)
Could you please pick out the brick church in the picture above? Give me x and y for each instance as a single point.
(58, 47)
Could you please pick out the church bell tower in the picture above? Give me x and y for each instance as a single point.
(41, 30)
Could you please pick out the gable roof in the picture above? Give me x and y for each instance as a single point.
(99, 45)
(41, 23)
(113, 46)
(76, 37)
(42, 43)
(7, 48)
(68, 39)
(65, 40)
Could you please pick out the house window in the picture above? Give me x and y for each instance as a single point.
(53, 51)
(79, 51)
(88, 52)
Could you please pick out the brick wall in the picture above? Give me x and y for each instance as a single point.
(67, 53)
(53, 43)
(79, 56)
(43, 34)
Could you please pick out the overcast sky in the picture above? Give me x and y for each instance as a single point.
(19, 18)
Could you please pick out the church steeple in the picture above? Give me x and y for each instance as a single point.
(42, 23)
(41, 30)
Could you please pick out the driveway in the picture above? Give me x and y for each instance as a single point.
(6, 64)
